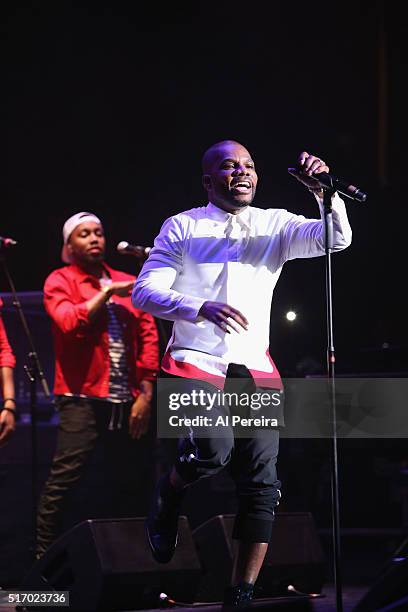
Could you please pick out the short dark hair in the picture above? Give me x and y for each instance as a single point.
(208, 154)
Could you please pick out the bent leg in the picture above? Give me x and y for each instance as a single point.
(253, 469)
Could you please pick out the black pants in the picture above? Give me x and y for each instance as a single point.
(251, 461)
(82, 424)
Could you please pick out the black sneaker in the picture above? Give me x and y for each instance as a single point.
(162, 521)
(238, 597)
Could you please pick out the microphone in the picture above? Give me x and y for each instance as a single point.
(141, 252)
(337, 184)
(6, 243)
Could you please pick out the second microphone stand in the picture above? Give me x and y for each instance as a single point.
(35, 373)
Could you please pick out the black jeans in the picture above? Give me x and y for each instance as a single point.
(82, 423)
(251, 461)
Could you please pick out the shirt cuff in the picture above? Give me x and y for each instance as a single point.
(7, 360)
(336, 199)
(189, 308)
(82, 313)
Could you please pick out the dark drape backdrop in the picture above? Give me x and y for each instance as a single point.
(110, 106)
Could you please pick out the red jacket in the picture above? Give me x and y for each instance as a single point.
(6, 354)
(82, 347)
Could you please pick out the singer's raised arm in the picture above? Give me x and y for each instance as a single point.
(302, 237)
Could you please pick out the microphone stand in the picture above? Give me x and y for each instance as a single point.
(34, 372)
(328, 237)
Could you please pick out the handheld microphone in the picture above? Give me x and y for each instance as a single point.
(141, 252)
(5, 243)
(337, 184)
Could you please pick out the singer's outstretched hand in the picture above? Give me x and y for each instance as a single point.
(307, 165)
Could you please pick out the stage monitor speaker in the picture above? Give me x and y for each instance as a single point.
(390, 590)
(295, 556)
(108, 565)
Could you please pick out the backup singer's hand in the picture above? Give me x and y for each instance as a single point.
(223, 315)
(139, 417)
(307, 165)
(121, 288)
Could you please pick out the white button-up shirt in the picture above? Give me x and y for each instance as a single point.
(208, 254)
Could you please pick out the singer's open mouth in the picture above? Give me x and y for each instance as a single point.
(241, 187)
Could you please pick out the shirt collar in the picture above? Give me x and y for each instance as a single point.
(243, 218)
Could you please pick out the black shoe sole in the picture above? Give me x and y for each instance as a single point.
(157, 555)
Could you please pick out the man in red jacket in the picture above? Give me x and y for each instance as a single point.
(106, 362)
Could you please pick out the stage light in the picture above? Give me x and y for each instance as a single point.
(291, 316)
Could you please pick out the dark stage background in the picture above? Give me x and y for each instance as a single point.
(109, 107)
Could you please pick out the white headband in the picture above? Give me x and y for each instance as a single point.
(69, 226)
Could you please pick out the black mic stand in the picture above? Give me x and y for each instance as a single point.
(328, 237)
(34, 372)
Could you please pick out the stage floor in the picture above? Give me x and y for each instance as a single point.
(325, 603)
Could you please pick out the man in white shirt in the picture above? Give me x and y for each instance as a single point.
(212, 271)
